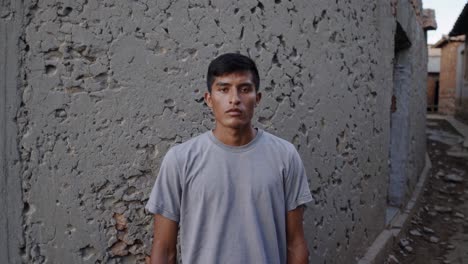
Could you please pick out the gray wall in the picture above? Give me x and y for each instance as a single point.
(413, 58)
(11, 206)
(108, 86)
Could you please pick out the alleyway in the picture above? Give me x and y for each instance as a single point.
(438, 232)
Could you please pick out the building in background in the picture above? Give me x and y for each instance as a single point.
(95, 92)
(459, 30)
(433, 72)
(450, 72)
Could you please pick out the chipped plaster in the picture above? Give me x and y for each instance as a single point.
(109, 86)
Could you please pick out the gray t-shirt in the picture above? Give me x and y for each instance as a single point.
(231, 202)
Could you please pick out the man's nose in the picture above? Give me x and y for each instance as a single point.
(234, 97)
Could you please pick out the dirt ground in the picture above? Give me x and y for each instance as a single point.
(438, 232)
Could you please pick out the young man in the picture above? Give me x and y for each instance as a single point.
(236, 192)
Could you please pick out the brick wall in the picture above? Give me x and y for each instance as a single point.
(448, 75)
(462, 103)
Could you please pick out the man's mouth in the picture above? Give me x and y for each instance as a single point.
(234, 111)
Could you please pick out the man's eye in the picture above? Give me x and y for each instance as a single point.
(245, 90)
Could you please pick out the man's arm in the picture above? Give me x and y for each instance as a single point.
(164, 249)
(296, 243)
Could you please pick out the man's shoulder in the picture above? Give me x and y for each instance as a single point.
(192, 144)
(275, 138)
(277, 142)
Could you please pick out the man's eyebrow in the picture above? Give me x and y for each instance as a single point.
(222, 83)
(246, 83)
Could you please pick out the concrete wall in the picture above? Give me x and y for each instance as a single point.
(407, 134)
(11, 206)
(415, 58)
(108, 86)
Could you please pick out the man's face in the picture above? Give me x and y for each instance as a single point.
(232, 99)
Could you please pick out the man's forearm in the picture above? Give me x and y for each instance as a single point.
(164, 249)
(163, 255)
(298, 254)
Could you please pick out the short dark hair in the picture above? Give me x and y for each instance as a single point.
(230, 63)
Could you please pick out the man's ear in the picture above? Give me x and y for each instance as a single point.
(208, 99)
(258, 97)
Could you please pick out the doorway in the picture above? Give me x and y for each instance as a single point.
(399, 124)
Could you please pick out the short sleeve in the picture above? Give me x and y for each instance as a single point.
(165, 198)
(296, 184)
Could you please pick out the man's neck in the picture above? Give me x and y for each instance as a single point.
(235, 137)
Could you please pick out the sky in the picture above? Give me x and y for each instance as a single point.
(447, 12)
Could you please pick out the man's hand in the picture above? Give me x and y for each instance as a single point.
(164, 249)
(296, 243)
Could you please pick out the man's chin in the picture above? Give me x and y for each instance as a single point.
(236, 125)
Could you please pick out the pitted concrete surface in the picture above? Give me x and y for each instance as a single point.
(109, 86)
(11, 238)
